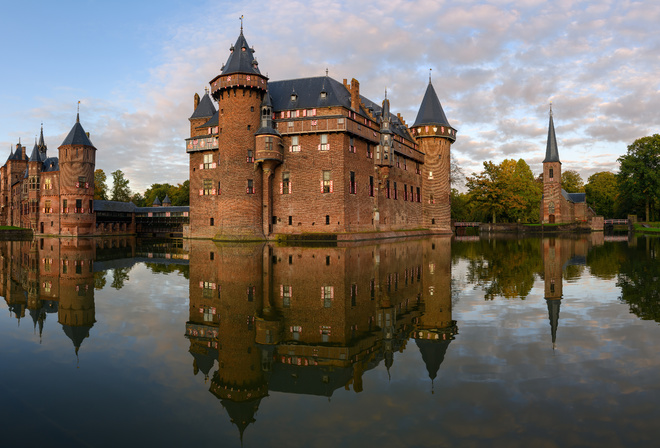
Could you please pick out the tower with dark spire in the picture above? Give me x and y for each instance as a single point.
(554, 256)
(225, 177)
(435, 136)
(77, 159)
(551, 203)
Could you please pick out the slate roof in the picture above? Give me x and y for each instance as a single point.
(205, 108)
(213, 121)
(576, 198)
(114, 206)
(551, 151)
(77, 136)
(77, 334)
(430, 112)
(51, 164)
(173, 208)
(553, 315)
(433, 354)
(308, 96)
(240, 59)
(167, 200)
(156, 201)
(36, 155)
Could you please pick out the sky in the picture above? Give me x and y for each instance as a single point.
(496, 67)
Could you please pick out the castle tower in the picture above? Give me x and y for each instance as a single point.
(35, 164)
(77, 159)
(551, 202)
(435, 136)
(226, 183)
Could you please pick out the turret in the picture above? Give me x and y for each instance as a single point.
(226, 208)
(385, 150)
(435, 136)
(268, 139)
(77, 159)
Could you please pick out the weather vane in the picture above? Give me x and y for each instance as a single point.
(241, 19)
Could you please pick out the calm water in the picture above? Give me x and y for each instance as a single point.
(434, 342)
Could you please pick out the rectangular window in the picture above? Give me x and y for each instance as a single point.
(65, 206)
(396, 193)
(351, 145)
(324, 145)
(412, 196)
(417, 170)
(79, 208)
(250, 293)
(550, 173)
(353, 294)
(369, 153)
(371, 185)
(285, 185)
(352, 187)
(48, 208)
(387, 188)
(328, 295)
(268, 144)
(250, 187)
(208, 161)
(295, 144)
(48, 184)
(285, 292)
(398, 161)
(405, 192)
(418, 198)
(207, 187)
(405, 164)
(326, 183)
(250, 156)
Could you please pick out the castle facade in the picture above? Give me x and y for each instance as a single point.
(312, 155)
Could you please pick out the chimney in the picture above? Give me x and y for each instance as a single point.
(196, 102)
(355, 95)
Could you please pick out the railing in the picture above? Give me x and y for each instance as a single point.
(201, 143)
(617, 222)
(467, 224)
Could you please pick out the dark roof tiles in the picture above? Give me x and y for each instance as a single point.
(240, 59)
(430, 112)
(77, 136)
(205, 108)
(551, 151)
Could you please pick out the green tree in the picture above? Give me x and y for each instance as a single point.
(157, 191)
(120, 190)
(639, 175)
(508, 190)
(602, 189)
(181, 194)
(100, 185)
(138, 200)
(572, 182)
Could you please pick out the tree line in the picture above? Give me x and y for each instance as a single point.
(179, 194)
(509, 191)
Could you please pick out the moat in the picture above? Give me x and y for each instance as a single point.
(462, 341)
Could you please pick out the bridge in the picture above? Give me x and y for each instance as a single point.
(617, 222)
(467, 224)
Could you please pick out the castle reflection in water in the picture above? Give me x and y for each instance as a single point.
(263, 317)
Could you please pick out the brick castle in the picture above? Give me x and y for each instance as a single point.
(311, 155)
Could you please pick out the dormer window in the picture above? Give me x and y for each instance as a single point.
(294, 97)
(324, 94)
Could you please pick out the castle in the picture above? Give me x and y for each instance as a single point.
(311, 155)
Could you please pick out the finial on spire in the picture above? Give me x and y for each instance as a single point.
(385, 92)
(241, 19)
(430, 70)
(206, 89)
(78, 113)
(326, 71)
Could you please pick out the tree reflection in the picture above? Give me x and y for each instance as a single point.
(504, 267)
(639, 279)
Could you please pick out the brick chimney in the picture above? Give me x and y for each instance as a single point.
(355, 95)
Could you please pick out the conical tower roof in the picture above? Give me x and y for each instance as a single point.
(553, 315)
(430, 112)
(240, 59)
(36, 155)
(205, 108)
(167, 200)
(551, 151)
(156, 201)
(433, 354)
(77, 136)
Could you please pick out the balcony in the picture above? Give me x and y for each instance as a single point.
(201, 144)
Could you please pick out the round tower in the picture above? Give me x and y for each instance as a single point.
(77, 159)
(239, 90)
(435, 136)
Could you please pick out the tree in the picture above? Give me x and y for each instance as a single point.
(138, 200)
(572, 182)
(157, 191)
(100, 185)
(181, 194)
(639, 175)
(602, 189)
(120, 190)
(508, 190)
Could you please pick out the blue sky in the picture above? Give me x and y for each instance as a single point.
(496, 66)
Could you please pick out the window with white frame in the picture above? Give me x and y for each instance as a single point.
(295, 144)
(324, 145)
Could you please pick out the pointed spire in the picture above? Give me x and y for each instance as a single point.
(205, 108)
(551, 151)
(77, 135)
(430, 112)
(240, 58)
(553, 314)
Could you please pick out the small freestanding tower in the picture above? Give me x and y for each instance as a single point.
(551, 210)
(435, 136)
